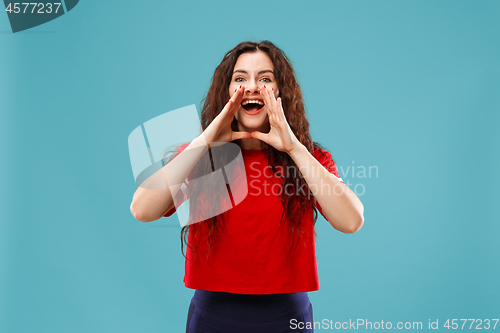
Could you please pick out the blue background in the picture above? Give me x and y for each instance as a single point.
(411, 87)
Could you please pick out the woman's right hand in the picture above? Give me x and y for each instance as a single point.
(219, 129)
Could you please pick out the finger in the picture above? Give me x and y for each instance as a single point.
(272, 97)
(237, 93)
(281, 112)
(261, 136)
(274, 104)
(229, 108)
(267, 102)
(239, 98)
(236, 99)
(240, 135)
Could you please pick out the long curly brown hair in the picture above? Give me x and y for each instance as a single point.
(294, 204)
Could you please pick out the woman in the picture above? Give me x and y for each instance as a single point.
(252, 265)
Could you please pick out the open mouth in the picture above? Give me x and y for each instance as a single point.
(252, 105)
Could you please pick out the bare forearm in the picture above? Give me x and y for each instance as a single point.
(154, 197)
(342, 208)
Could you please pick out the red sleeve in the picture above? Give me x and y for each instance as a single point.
(179, 193)
(326, 160)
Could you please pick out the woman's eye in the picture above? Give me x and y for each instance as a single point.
(239, 79)
(266, 79)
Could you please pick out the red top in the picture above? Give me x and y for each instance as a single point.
(250, 257)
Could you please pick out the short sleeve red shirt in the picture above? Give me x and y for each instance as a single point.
(251, 255)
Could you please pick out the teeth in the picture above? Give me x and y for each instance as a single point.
(252, 101)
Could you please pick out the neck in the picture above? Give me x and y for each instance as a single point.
(253, 143)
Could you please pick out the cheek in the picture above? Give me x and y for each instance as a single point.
(237, 115)
(277, 92)
(232, 87)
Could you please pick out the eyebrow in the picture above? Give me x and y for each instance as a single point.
(261, 72)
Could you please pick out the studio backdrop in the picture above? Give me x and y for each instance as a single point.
(404, 94)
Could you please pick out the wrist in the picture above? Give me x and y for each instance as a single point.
(201, 141)
(297, 149)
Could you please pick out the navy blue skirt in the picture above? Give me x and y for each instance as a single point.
(212, 311)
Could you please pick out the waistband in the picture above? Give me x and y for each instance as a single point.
(251, 308)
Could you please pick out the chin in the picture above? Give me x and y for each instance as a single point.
(252, 122)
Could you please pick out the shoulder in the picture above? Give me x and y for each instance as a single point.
(180, 149)
(322, 154)
(183, 146)
(325, 158)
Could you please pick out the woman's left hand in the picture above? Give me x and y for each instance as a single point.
(280, 136)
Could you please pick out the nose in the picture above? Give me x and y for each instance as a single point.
(252, 87)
